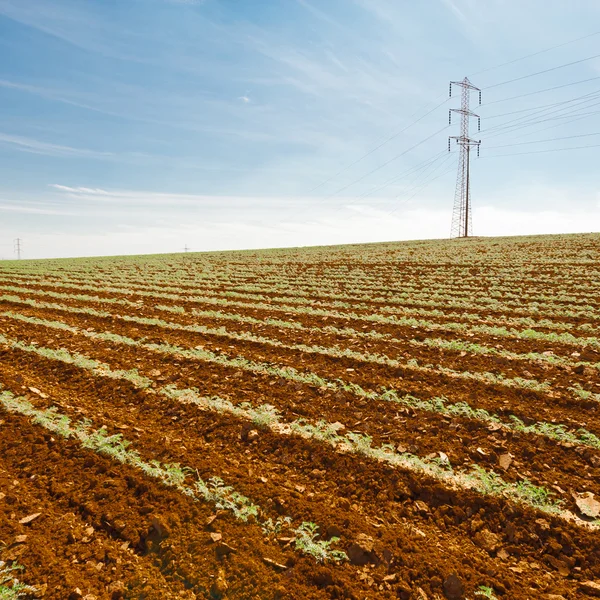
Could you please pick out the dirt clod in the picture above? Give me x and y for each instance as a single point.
(591, 587)
(224, 549)
(453, 587)
(504, 461)
(587, 504)
(487, 540)
(253, 435)
(219, 587)
(361, 551)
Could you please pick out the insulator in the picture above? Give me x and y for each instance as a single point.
(479, 97)
(477, 150)
(450, 91)
(478, 124)
(448, 144)
(449, 117)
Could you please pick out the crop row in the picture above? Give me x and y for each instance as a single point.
(435, 405)
(336, 351)
(523, 334)
(265, 416)
(214, 490)
(411, 365)
(391, 302)
(457, 278)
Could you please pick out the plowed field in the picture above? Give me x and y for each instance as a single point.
(412, 420)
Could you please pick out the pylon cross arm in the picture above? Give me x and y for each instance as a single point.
(462, 111)
(465, 84)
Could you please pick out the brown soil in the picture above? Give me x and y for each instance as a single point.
(107, 531)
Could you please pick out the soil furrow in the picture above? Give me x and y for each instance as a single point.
(451, 527)
(464, 441)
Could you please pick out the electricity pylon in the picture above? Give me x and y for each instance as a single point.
(18, 248)
(462, 220)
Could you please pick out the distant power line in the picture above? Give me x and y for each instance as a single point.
(575, 62)
(510, 62)
(424, 165)
(544, 115)
(386, 141)
(541, 106)
(426, 183)
(396, 157)
(568, 137)
(542, 151)
(550, 89)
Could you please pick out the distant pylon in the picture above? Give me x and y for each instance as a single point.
(18, 247)
(462, 220)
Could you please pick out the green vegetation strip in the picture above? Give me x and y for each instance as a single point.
(408, 299)
(335, 351)
(213, 491)
(454, 345)
(564, 338)
(478, 479)
(439, 405)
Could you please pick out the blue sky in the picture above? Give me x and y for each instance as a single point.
(133, 126)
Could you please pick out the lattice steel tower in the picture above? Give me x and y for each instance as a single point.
(462, 221)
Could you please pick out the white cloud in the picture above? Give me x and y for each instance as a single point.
(134, 221)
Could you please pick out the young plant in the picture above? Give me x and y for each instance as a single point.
(486, 592)
(10, 587)
(307, 542)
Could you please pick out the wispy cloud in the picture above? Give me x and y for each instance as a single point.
(33, 210)
(34, 146)
(454, 8)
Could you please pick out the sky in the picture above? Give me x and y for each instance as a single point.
(148, 126)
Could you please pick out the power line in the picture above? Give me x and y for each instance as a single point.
(500, 131)
(568, 137)
(421, 188)
(396, 178)
(385, 163)
(527, 121)
(575, 62)
(541, 151)
(387, 140)
(421, 181)
(556, 87)
(535, 115)
(570, 120)
(538, 107)
(396, 134)
(510, 62)
(423, 177)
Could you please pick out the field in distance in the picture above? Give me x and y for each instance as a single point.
(413, 420)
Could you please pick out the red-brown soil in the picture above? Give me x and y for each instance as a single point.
(108, 531)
